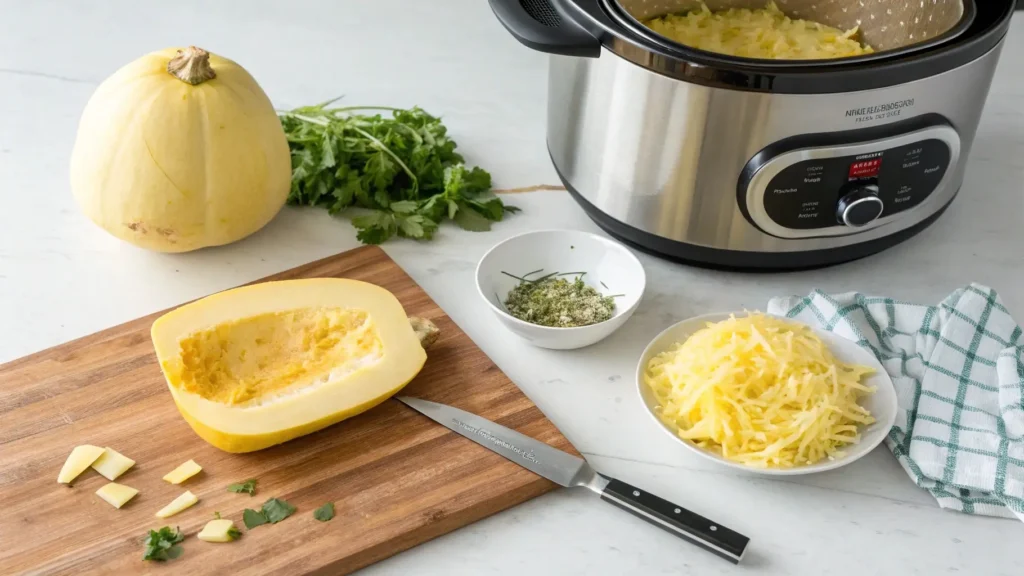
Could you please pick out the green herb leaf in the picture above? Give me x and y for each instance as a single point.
(327, 158)
(162, 544)
(489, 206)
(253, 518)
(403, 207)
(276, 510)
(216, 515)
(375, 227)
(471, 220)
(475, 181)
(234, 533)
(325, 512)
(402, 165)
(247, 487)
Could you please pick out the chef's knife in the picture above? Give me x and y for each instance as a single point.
(570, 471)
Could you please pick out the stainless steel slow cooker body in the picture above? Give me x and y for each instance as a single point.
(730, 163)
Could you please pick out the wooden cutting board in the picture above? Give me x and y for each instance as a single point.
(397, 479)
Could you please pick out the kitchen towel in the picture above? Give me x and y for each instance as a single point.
(959, 379)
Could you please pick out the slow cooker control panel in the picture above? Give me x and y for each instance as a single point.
(844, 189)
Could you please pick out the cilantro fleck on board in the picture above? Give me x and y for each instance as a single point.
(403, 168)
(276, 510)
(247, 487)
(325, 512)
(162, 544)
(253, 518)
(272, 512)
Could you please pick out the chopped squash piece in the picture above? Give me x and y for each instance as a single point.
(112, 464)
(183, 472)
(80, 458)
(177, 505)
(219, 530)
(259, 365)
(116, 495)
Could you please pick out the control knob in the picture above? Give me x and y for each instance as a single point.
(860, 207)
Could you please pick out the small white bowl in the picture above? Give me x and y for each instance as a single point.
(881, 404)
(610, 269)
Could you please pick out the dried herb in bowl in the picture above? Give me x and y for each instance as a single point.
(556, 302)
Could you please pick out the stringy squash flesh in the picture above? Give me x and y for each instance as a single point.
(259, 365)
(761, 391)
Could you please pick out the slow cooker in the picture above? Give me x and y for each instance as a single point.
(745, 163)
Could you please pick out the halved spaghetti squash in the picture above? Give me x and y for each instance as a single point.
(259, 365)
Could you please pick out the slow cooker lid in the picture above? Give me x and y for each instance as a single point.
(891, 27)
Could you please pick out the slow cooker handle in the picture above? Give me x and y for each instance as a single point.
(544, 25)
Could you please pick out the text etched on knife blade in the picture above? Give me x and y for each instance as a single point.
(525, 454)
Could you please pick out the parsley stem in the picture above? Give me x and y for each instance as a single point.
(383, 148)
(323, 105)
(307, 119)
(543, 278)
(333, 112)
(351, 108)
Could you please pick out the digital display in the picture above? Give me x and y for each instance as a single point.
(805, 195)
(865, 169)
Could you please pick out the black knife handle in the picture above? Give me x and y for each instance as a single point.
(695, 528)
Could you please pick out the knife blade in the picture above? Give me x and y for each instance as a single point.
(571, 471)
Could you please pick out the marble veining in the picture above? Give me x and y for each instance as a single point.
(61, 277)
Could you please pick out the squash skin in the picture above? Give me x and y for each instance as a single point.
(233, 430)
(238, 444)
(173, 167)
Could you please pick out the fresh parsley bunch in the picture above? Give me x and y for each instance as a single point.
(403, 168)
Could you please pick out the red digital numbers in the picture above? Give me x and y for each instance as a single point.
(865, 168)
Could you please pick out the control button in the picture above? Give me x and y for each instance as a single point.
(860, 207)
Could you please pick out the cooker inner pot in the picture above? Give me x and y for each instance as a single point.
(884, 24)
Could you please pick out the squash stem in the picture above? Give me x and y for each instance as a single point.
(425, 330)
(191, 65)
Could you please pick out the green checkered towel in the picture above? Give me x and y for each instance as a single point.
(958, 369)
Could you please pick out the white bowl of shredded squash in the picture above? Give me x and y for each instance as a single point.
(766, 394)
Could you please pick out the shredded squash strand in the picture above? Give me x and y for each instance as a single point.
(763, 33)
(762, 391)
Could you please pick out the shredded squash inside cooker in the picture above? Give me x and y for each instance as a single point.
(765, 33)
(761, 391)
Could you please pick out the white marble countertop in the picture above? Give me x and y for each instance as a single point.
(61, 277)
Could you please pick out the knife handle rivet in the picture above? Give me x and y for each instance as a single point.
(714, 528)
(636, 492)
(677, 510)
